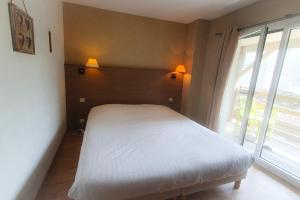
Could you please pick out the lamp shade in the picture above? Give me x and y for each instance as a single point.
(92, 62)
(180, 69)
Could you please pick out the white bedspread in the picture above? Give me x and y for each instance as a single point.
(135, 150)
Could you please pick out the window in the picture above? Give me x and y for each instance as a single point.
(238, 86)
(282, 142)
(261, 104)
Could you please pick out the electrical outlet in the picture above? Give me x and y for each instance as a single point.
(81, 121)
(81, 100)
(171, 99)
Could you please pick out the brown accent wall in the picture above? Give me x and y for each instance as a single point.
(118, 39)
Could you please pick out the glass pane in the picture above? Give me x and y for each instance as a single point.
(282, 144)
(237, 87)
(263, 84)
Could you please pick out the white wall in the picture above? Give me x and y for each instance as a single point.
(32, 101)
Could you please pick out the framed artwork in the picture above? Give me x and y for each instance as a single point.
(21, 29)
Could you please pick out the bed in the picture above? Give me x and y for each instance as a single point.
(152, 152)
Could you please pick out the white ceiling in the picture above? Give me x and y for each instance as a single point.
(184, 11)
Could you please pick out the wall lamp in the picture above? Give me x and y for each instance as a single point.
(179, 69)
(91, 63)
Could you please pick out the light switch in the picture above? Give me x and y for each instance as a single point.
(81, 120)
(81, 100)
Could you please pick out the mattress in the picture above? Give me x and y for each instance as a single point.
(135, 150)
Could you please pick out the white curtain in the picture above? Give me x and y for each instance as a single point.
(228, 50)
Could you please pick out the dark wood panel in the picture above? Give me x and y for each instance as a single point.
(120, 85)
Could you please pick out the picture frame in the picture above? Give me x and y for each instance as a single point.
(22, 31)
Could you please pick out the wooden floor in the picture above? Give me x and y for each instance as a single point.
(259, 185)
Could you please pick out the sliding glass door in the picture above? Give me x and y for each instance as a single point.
(261, 104)
(238, 85)
(282, 139)
(261, 92)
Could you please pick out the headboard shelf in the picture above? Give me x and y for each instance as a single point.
(121, 85)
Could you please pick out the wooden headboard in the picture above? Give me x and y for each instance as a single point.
(109, 85)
